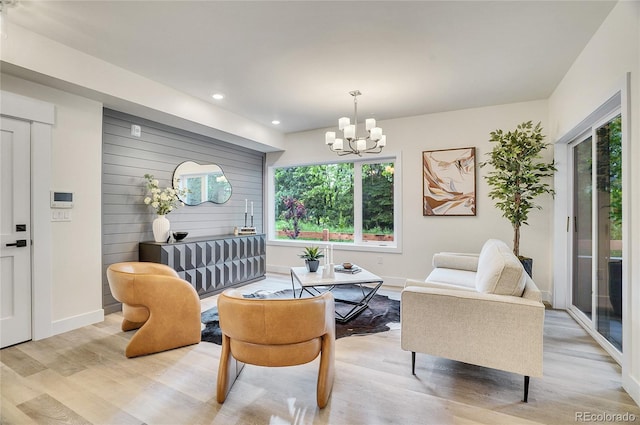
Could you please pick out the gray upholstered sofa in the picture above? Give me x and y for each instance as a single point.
(481, 309)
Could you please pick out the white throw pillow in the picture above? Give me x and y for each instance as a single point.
(499, 270)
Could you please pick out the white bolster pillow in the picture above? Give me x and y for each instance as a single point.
(456, 261)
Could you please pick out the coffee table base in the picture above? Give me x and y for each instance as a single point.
(358, 305)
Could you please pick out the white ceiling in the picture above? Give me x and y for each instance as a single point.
(296, 61)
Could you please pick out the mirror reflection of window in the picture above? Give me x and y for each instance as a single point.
(205, 183)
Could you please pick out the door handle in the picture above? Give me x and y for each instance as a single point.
(19, 243)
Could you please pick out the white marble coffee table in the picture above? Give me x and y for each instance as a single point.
(314, 284)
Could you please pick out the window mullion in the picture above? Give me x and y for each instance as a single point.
(357, 203)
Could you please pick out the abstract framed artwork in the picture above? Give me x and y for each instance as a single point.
(449, 182)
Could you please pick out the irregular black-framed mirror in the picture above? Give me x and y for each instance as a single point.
(205, 183)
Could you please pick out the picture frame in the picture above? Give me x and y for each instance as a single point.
(449, 182)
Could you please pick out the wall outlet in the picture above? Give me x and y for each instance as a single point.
(136, 130)
(379, 260)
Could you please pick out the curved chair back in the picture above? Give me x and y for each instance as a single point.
(274, 321)
(276, 332)
(164, 308)
(122, 276)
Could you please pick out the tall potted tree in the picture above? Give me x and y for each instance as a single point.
(518, 176)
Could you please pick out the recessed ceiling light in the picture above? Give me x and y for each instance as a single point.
(217, 96)
(275, 122)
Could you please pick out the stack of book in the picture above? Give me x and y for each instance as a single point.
(247, 231)
(352, 270)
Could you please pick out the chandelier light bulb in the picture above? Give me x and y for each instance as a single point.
(370, 123)
(376, 133)
(350, 132)
(330, 137)
(4, 16)
(3, 19)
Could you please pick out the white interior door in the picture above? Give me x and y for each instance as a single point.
(15, 232)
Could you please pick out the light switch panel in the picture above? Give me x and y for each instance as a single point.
(60, 215)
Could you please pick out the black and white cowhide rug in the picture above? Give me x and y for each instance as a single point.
(381, 312)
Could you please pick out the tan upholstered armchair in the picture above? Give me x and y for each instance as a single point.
(164, 308)
(276, 332)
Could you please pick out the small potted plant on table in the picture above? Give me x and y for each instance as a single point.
(312, 256)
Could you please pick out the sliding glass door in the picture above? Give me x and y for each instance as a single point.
(597, 229)
(609, 228)
(582, 226)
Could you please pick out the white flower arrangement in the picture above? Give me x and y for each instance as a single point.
(163, 201)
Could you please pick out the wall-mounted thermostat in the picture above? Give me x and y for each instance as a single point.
(61, 199)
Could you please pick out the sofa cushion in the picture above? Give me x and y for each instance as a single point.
(463, 279)
(499, 270)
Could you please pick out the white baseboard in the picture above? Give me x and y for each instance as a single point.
(632, 387)
(393, 281)
(278, 269)
(75, 322)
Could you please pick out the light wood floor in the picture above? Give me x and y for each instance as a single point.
(82, 377)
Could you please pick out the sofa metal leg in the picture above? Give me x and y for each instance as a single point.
(413, 362)
(526, 389)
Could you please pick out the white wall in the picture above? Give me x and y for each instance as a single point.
(599, 71)
(76, 166)
(423, 236)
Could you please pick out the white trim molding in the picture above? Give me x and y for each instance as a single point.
(41, 115)
(619, 98)
(75, 322)
(562, 203)
(27, 109)
(395, 247)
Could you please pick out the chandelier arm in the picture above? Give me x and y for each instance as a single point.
(375, 145)
(334, 150)
(346, 153)
(352, 142)
(372, 151)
